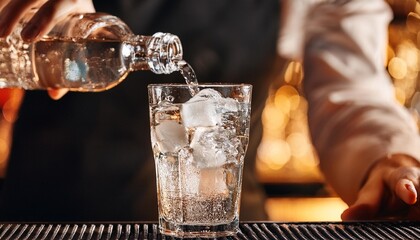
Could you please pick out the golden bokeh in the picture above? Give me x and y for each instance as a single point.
(286, 152)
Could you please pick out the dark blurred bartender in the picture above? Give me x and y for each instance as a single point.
(88, 157)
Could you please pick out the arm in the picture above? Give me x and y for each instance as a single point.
(367, 143)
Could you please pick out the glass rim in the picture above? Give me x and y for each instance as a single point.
(199, 85)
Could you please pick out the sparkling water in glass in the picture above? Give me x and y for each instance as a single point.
(199, 140)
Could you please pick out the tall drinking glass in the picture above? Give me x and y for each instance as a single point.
(199, 140)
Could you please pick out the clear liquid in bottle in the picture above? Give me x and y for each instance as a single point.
(79, 65)
(88, 52)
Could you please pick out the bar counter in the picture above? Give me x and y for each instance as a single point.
(248, 230)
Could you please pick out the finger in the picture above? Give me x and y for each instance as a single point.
(358, 212)
(49, 15)
(3, 3)
(368, 202)
(12, 13)
(406, 191)
(56, 94)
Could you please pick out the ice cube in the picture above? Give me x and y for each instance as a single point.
(170, 136)
(166, 111)
(200, 180)
(207, 147)
(228, 105)
(212, 181)
(197, 180)
(213, 147)
(206, 108)
(201, 110)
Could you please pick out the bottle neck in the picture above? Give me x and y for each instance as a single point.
(159, 53)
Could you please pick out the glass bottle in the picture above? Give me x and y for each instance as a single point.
(85, 52)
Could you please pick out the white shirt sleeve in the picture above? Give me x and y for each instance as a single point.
(354, 118)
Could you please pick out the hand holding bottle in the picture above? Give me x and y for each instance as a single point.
(391, 190)
(70, 47)
(48, 14)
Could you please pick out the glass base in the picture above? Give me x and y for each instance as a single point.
(198, 231)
